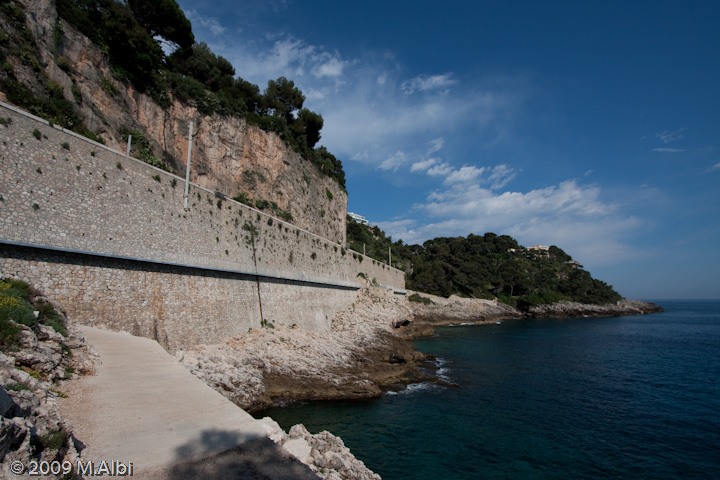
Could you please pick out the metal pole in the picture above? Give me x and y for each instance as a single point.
(389, 257)
(187, 169)
(127, 152)
(363, 249)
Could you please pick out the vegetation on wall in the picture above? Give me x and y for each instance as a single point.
(487, 266)
(141, 148)
(243, 198)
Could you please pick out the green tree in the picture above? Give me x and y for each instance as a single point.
(284, 98)
(200, 63)
(312, 124)
(164, 18)
(485, 267)
(328, 164)
(134, 54)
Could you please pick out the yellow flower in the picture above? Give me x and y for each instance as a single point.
(8, 301)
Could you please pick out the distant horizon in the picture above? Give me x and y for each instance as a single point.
(590, 126)
(677, 300)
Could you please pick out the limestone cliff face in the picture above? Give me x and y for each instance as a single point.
(227, 154)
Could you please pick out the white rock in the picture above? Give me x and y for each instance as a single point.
(273, 430)
(299, 448)
(299, 431)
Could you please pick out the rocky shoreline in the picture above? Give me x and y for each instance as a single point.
(32, 379)
(367, 351)
(35, 375)
(431, 310)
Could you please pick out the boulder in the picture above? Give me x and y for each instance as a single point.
(298, 447)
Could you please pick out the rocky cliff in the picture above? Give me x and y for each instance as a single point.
(228, 155)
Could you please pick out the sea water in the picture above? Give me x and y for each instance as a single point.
(586, 398)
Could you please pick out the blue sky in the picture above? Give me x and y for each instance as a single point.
(590, 125)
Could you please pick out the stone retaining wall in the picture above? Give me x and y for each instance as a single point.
(65, 193)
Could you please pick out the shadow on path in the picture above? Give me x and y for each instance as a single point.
(258, 459)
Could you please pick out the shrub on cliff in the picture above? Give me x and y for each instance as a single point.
(44, 98)
(142, 149)
(18, 304)
(420, 299)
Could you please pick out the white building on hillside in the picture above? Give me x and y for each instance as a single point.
(358, 218)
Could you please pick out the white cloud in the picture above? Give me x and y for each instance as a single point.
(473, 200)
(361, 155)
(362, 101)
(423, 165)
(570, 215)
(404, 225)
(501, 175)
(286, 57)
(424, 83)
(317, 94)
(714, 168)
(367, 118)
(374, 117)
(393, 162)
(463, 174)
(498, 176)
(440, 170)
(311, 67)
(436, 145)
(668, 150)
(210, 23)
(668, 136)
(329, 65)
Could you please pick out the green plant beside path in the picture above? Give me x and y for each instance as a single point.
(19, 305)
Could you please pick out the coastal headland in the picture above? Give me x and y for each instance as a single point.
(243, 274)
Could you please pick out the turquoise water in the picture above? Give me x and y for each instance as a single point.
(590, 398)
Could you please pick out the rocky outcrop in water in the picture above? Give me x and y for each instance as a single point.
(574, 309)
(431, 310)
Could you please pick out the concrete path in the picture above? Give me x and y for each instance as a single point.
(143, 407)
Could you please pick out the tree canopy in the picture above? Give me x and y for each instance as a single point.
(283, 98)
(484, 266)
(165, 19)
